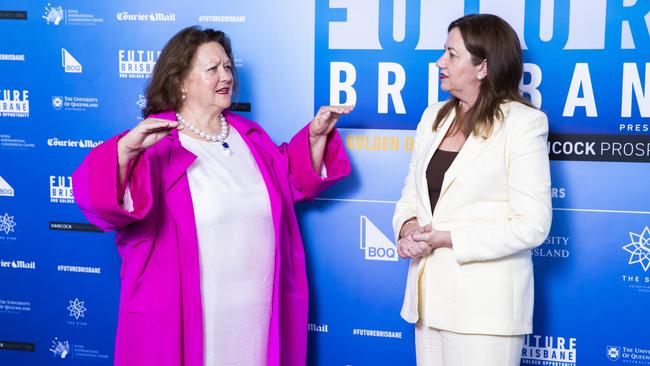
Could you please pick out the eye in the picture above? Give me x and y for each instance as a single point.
(227, 67)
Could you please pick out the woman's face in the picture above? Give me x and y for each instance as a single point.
(209, 83)
(458, 75)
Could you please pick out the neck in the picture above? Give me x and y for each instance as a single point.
(205, 120)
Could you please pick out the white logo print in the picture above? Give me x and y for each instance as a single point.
(5, 189)
(60, 349)
(613, 353)
(76, 308)
(7, 223)
(57, 102)
(53, 14)
(142, 101)
(376, 245)
(639, 248)
(69, 63)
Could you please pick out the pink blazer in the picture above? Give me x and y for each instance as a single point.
(160, 317)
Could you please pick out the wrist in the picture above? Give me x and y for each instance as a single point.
(126, 154)
(408, 225)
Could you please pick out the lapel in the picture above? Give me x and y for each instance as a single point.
(424, 162)
(469, 152)
(175, 161)
(252, 136)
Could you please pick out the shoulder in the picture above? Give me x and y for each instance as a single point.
(520, 110)
(429, 115)
(242, 124)
(524, 119)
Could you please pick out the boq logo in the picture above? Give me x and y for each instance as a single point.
(376, 245)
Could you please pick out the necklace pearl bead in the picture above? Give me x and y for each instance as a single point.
(221, 137)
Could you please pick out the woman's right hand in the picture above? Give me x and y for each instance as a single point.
(140, 138)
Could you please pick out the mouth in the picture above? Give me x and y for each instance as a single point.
(223, 91)
(443, 76)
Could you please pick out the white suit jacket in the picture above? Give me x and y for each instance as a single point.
(496, 202)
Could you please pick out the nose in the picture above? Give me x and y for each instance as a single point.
(440, 62)
(225, 74)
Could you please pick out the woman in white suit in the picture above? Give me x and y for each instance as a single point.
(475, 201)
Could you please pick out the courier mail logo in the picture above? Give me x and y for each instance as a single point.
(69, 63)
(376, 245)
(5, 189)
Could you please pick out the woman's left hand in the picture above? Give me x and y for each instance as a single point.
(322, 124)
(325, 120)
(434, 238)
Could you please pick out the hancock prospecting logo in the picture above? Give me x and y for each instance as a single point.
(77, 308)
(639, 248)
(69, 63)
(137, 64)
(7, 223)
(14, 103)
(377, 246)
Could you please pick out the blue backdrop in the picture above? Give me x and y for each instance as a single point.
(73, 74)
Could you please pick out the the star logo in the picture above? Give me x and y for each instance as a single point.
(639, 248)
(142, 101)
(7, 223)
(76, 308)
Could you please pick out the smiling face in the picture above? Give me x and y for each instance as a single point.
(208, 85)
(458, 74)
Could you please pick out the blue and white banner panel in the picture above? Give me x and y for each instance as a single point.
(74, 74)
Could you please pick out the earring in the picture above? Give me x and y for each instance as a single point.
(183, 94)
(480, 77)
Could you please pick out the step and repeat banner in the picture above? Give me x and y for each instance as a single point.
(73, 74)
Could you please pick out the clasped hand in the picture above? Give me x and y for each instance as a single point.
(419, 241)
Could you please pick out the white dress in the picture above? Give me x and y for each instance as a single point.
(236, 239)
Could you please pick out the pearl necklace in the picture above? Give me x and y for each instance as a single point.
(221, 137)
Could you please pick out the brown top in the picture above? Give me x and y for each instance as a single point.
(440, 162)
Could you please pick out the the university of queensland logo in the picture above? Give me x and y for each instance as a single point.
(613, 353)
(376, 245)
(57, 102)
(69, 63)
(639, 248)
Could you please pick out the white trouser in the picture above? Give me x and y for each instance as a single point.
(434, 347)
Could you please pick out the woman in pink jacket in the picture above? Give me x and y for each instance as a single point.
(213, 268)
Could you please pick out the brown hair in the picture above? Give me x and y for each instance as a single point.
(173, 65)
(488, 37)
